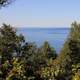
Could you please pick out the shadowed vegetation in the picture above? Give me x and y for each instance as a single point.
(21, 60)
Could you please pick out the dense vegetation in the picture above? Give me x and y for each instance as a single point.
(21, 60)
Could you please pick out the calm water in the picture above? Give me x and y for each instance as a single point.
(55, 36)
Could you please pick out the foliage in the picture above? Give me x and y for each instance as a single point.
(9, 45)
(20, 60)
(76, 72)
(48, 51)
(18, 70)
(3, 3)
(9, 42)
(70, 55)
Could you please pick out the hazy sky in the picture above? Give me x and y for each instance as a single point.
(41, 13)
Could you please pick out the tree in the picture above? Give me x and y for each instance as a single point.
(49, 56)
(36, 58)
(67, 65)
(10, 44)
(25, 61)
(18, 70)
(76, 72)
(70, 54)
(3, 3)
(48, 51)
(74, 43)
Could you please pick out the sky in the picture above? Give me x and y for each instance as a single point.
(41, 13)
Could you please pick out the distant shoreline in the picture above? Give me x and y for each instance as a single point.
(44, 27)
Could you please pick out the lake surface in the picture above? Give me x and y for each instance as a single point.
(55, 36)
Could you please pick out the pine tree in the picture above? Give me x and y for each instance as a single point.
(70, 54)
(9, 45)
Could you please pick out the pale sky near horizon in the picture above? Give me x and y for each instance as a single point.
(41, 13)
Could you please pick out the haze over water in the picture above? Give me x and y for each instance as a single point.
(55, 36)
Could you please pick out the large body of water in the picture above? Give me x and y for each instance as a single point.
(55, 36)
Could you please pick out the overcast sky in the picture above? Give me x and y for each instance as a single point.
(41, 13)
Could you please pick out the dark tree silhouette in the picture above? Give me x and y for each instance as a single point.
(3, 3)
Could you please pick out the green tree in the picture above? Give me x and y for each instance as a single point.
(49, 56)
(62, 68)
(76, 72)
(10, 44)
(36, 58)
(70, 54)
(48, 51)
(18, 70)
